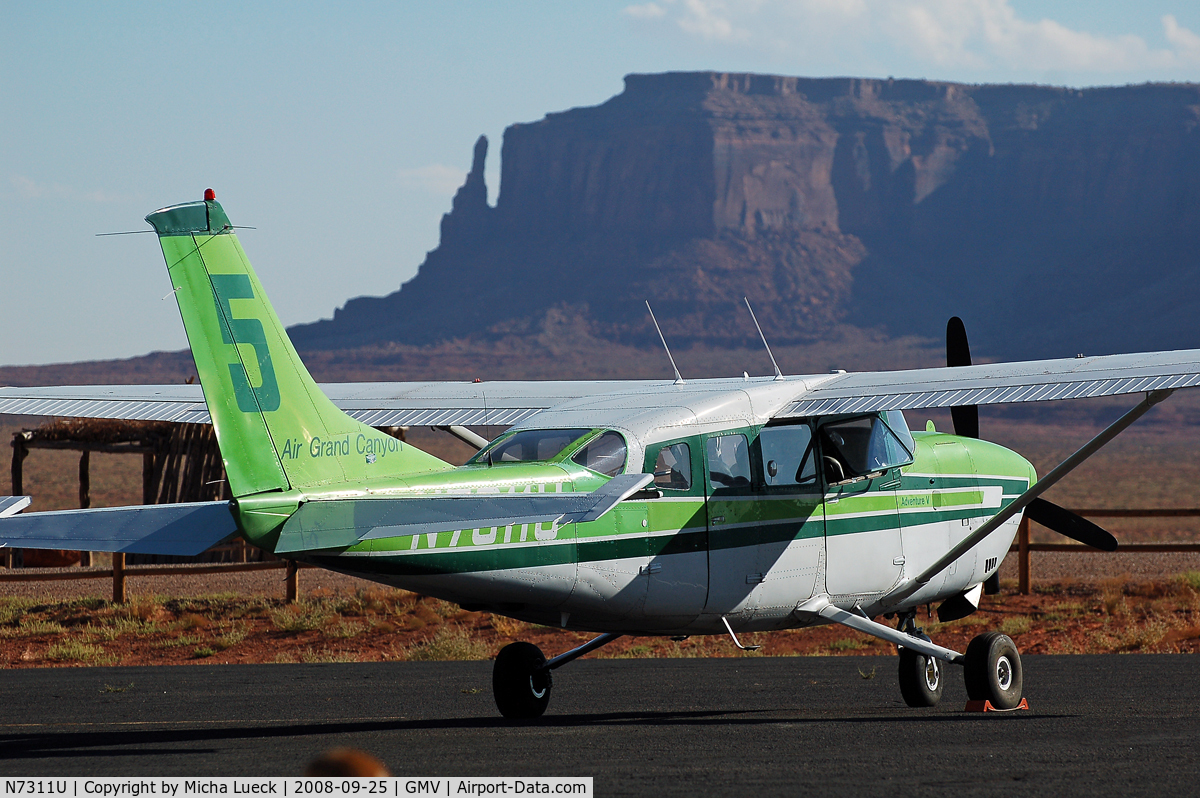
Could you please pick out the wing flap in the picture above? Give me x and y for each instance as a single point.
(179, 529)
(11, 505)
(344, 522)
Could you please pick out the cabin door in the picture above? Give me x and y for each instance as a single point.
(860, 466)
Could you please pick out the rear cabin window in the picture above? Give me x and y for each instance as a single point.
(673, 468)
(787, 454)
(531, 445)
(605, 455)
(728, 461)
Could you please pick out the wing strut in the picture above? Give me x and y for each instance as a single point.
(1025, 499)
(466, 436)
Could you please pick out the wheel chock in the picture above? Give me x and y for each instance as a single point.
(986, 706)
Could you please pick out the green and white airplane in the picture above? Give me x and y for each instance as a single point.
(673, 508)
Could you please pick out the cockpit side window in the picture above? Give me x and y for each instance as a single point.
(860, 446)
(605, 454)
(896, 423)
(728, 461)
(673, 468)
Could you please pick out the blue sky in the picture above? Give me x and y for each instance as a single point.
(341, 131)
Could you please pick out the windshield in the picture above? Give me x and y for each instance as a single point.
(531, 445)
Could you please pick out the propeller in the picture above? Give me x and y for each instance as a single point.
(1065, 522)
(966, 424)
(958, 353)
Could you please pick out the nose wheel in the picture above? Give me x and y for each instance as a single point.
(921, 681)
(921, 676)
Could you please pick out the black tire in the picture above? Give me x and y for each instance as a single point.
(922, 679)
(520, 689)
(993, 671)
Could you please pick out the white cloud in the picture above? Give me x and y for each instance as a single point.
(710, 19)
(32, 189)
(647, 11)
(1186, 42)
(976, 35)
(436, 178)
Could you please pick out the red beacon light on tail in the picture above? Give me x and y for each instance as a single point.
(209, 195)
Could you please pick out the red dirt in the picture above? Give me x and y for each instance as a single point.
(380, 624)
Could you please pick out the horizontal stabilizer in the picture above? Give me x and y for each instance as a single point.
(11, 505)
(344, 522)
(179, 529)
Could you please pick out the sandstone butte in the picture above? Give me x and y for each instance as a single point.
(1054, 220)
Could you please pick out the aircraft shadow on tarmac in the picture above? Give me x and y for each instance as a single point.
(122, 743)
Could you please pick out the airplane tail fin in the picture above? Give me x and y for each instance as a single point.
(275, 427)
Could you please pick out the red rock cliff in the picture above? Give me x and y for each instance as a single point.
(1055, 220)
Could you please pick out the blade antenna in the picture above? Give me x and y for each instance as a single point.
(678, 379)
(778, 373)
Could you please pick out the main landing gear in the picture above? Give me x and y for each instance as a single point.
(991, 669)
(521, 678)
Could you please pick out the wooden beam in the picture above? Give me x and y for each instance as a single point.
(293, 581)
(20, 452)
(118, 575)
(85, 497)
(1023, 556)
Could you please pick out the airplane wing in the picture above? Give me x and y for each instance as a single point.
(338, 523)
(505, 403)
(998, 383)
(181, 529)
(375, 403)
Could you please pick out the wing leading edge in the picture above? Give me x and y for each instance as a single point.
(507, 403)
(999, 383)
(377, 404)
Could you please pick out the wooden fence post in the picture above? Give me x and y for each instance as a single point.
(293, 581)
(148, 493)
(20, 452)
(1023, 556)
(118, 571)
(85, 497)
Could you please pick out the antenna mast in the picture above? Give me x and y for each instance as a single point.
(678, 379)
(778, 373)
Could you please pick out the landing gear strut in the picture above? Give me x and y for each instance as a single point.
(521, 679)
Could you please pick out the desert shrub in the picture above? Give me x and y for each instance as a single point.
(325, 655)
(77, 651)
(348, 629)
(1016, 625)
(1191, 579)
(846, 644)
(448, 643)
(508, 627)
(304, 616)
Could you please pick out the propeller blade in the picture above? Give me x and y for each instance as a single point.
(1067, 523)
(958, 353)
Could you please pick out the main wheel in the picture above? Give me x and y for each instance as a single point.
(921, 681)
(993, 671)
(520, 688)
